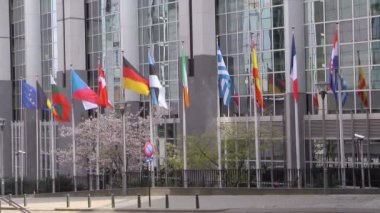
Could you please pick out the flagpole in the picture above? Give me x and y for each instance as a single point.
(151, 139)
(341, 136)
(298, 153)
(218, 125)
(37, 153)
(257, 143)
(184, 136)
(124, 170)
(52, 151)
(97, 139)
(73, 136)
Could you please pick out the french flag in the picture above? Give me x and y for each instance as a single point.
(81, 91)
(334, 64)
(293, 70)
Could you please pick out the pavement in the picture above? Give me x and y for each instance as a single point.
(215, 203)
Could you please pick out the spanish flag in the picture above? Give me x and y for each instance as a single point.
(133, 80)
(362, 85)
(256, 77)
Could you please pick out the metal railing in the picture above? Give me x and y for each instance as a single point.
(270, 178)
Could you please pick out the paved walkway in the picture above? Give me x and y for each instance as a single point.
(237, 203)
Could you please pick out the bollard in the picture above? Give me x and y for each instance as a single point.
(68, 201)
(10, 199)
(138, 201)
(112, 200)
(196, 201)
(167, 201)
(89, 201)
(24, 200)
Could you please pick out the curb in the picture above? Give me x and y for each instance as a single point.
(137, 210)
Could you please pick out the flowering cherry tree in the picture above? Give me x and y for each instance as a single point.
(110, 140)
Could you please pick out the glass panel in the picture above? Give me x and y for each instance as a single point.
(279, 62)
(375, 79)
(361, 30)
(360, 8)
(375, 49)
(375, 7)
(345, 29)
(278, 37)
(345, 9)
(278, 17)
(346, 55)
(375, 27)
(331, 10)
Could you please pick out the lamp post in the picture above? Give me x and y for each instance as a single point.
(322, 91)
(2, 125)
(123, 108)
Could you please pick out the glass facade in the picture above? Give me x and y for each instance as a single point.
(237, 24)
(103, 44)
(158, 33)
(17, 53)
(358, 23)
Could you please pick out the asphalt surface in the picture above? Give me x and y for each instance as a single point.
(231, 203)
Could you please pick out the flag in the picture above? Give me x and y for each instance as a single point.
(256, 77)
(61, 105)
(224, 79)
(157, 91)
(185, 86)
(334, 64)
(81, 91)
(362, 85)
(43, 102)
(344, 88)
(293, 69)
(102, 89)
(133, 80)
(29, 96)
(315, 100)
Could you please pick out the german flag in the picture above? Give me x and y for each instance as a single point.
(133, 80)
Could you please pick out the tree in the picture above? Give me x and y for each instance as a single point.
(111, 142)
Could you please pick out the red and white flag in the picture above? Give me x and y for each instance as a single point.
(102, 89)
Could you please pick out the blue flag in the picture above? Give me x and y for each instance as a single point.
(29, 96)
(225, 83)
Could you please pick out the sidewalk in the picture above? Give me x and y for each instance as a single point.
(230, 203)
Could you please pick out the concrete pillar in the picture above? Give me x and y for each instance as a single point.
(293, 20)
(129, 39)
(5, 81)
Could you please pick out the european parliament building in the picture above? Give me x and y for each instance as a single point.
(40, 38)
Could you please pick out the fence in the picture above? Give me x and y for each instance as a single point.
(273, 178)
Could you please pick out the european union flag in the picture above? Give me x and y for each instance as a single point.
(29, 96)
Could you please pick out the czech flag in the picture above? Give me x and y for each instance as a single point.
(81, 91)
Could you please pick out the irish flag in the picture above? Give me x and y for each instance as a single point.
(186, 97)
(293, 69)
(61, 105)
(256, 77)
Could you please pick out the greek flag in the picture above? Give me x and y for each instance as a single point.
(224, 79)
